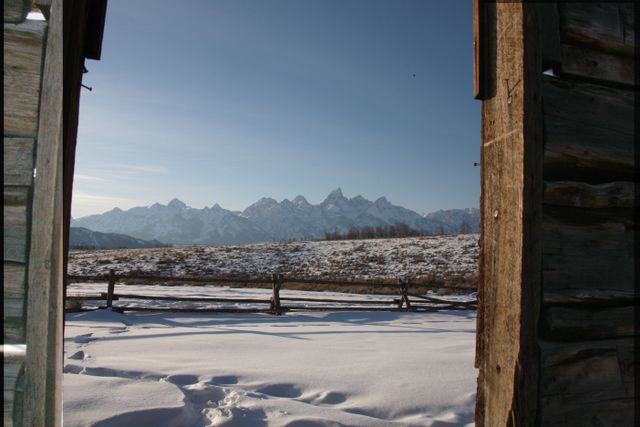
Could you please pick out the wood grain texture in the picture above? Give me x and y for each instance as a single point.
(590, 297)
(511, 200)
(605, 107)
(607, 26)
(13, 371)
(16, 196)
(23, 51)
(588, 132)
(15, 233)
(588, 383)
(594, 196)
(15, 11)
(14, 301)
(587, 323)
(43, 365)
(18, 161)
(596, 65)
(587, 249)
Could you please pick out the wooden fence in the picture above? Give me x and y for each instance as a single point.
(406, 300)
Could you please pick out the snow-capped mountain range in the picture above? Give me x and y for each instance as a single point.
(268, 220)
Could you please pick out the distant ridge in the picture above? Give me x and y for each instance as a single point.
(269, 220)
(80, 237)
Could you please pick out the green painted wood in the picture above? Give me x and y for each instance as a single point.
(14, 303)
(15, 233)
(18, 161)
(15, 10)
(23, 53)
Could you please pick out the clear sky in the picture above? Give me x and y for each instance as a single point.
(227, 101)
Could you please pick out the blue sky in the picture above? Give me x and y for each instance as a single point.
(227, 101)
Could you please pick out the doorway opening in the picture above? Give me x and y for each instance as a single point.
(280, 101)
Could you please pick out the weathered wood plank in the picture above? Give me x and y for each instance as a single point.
(588, 132)
(13, 370)
(43, 364)
(576, 151)
(16, 196)
(15, 233)
(18, 161)
(479, 51)
(589, 323)
(15, 10)
(583, 195)
(596, 65)
(23, 49)
(14, 299)
(589, 297)
(587, 249)
(587, 383)
(607, 26)
(585, 103)
(511, 151)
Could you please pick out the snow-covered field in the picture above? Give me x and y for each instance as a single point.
(448, 259)
(301, 369)
(304, 369)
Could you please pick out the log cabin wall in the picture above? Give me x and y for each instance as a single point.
(556, 331)
(37, 135)
(586, 330)
(32, 346)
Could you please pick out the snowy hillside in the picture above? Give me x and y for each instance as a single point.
(455, 218)
(80, 237)
(428, 258)
(264, 221)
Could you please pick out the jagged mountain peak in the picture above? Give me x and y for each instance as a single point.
(177, 204)
(336, 194)
(300, 201)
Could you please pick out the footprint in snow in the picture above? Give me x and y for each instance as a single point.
(72, 369)
(224, 380)
(84, 339)
(281, 390)
(78, 355)
(182, 380)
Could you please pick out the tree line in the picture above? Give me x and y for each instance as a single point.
(377, 232)
(388, 231)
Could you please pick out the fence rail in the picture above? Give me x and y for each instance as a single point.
(275, 303)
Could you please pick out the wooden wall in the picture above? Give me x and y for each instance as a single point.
(556, 332)
(587, 331)
(32, 190)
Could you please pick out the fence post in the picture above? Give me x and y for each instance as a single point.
(405, 292)
(110, 288)
(275, 297)
(404, 298)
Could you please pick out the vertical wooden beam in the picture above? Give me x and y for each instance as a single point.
(75, 14)
(478, 50)
(43, 367)
(510, 262)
